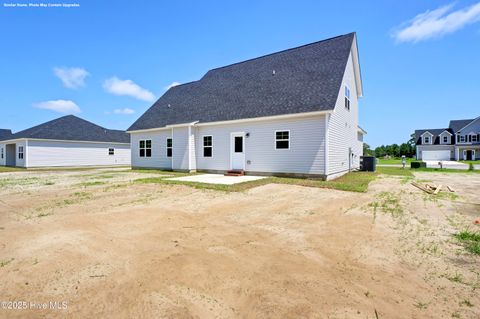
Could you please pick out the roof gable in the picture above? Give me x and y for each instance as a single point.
(477, 120)
(72, 128)
(299, 80)
(457, 125)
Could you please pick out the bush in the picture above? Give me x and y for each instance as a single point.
(418, 165)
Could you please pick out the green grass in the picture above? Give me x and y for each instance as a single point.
(471, 162)
(470, 240)
(353, 182)
(395, 171)
(392, 161)
(88, 184)
(4, 169)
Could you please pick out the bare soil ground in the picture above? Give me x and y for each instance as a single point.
(109, 247)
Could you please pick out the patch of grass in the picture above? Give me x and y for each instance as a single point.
(395, 171)
(4, 182)
(388, 203)
(5, 169)
(102, 176)
(457, 277)
(470, 240)
(471, 162)
(87, 184)
(115, 186)
(466, 302)
(353, 182)
(4, 263)
(44, 214)
(393, 161)
(49, 183)
(421, 305)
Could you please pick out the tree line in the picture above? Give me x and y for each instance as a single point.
(393, 150)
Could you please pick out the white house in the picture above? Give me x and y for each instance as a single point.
(293, 112)
(459, 141)
(66, 141)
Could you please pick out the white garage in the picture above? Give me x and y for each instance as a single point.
(438, 155)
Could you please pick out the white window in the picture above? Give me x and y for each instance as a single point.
(474, 138)
(111, 151)
(169, 147)
(445, 139)
(426, 139)
(207, 146)
(20, 152)
(282, 140)
(347, 98)
(145, 148)
(462, 138)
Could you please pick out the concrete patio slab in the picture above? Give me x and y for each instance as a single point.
(216, 179)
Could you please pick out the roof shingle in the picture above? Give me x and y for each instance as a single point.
(72, 128)
(302, 79)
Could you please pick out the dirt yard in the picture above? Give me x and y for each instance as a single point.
(103, 246)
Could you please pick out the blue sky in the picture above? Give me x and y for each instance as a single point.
(108, 60)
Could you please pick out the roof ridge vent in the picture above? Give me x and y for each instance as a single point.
(273, 72)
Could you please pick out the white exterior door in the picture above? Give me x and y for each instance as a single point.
(237, 151)
(435, 155)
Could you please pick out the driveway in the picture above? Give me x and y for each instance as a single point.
(447, 164)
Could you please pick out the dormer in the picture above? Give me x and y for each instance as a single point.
(427, 138)
(445, 137)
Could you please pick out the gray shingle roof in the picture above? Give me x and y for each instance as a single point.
(435, 132)
(72, 128)
(4, 133)
(457, 125)
(307, 78)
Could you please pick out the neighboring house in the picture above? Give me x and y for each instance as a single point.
(291, 112)
(66, 141)
(459, 141)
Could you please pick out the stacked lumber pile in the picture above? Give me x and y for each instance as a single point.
(433, 189)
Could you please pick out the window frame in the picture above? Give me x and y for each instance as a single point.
(474, 136)
(144, 148)
(445, 139)
(429, 139)
(111, 151)
(21, 152)
(281, 140)
(207, 146)
(169, 147)
(461, 139)
(347, 97)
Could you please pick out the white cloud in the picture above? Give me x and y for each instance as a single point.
(127, 87)
(125, 111)
(61, 106)
(171, 85)
(72, 78)
(437, 23)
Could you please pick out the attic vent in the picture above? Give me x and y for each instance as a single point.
(169, 106)
(273, 72)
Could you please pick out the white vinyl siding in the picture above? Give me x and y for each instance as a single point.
(343, 128)
(181, 145)
(159, 157)
(305, 156)
(66, 153)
